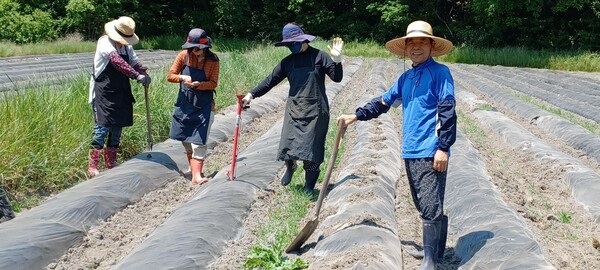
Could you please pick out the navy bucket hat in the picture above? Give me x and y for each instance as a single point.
(293, 33)
(197, 38)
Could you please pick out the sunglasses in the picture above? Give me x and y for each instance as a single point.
(197, 49)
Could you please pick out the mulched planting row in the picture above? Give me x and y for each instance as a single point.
(28, 71)
(575, 98)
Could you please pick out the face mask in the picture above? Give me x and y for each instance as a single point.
(295, 47)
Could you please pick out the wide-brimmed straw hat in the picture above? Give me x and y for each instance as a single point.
(293, 33)
(122, 30)
(197, 38)
(419, 29)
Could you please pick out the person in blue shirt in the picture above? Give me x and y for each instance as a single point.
(426, 92)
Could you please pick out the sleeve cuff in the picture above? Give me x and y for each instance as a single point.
(360, 115)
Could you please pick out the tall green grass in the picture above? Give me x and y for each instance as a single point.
(69, 44)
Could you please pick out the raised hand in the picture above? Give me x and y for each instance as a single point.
(336, 49)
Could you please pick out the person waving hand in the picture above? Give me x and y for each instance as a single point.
(306, 116)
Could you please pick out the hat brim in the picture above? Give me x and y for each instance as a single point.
(397, 46)
(112, 33)
(188, 45)
(300, 38)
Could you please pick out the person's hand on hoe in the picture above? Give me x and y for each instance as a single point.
(246, 100)
(336, 49)
(144, 79)
(345, 120)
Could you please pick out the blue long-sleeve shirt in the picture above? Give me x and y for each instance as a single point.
(428, 109)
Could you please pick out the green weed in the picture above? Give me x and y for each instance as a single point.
(268, 257)
(564, 217)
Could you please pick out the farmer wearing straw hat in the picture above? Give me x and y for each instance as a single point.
(115, 63)
(429, 128)
(196, 70)
(306, 117)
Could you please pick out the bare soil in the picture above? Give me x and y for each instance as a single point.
(535, 189)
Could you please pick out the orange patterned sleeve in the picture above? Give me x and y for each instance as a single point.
(211, 68)
(176, 67)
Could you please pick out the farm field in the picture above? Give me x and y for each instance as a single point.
(522, 188)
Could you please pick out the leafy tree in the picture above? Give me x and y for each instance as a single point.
(561, 24)
(34, 26)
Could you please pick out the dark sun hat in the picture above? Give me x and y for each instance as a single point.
(197, 38)
(293, 33)
(419, 29)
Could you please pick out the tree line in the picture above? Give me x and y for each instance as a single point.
(534, 24)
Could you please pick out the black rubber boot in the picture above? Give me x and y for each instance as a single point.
(431, 231)
(442, 239)
(290, 167)
(311, 181)
(418, 254)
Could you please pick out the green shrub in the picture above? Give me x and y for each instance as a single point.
(25, 28)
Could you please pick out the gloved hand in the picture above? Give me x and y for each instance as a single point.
(144, 79)
(336, 50)
(246, 100)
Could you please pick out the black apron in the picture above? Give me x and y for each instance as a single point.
(192, 111)
(306, 117)
(113, 99)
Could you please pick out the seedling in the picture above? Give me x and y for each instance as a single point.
(564, 217)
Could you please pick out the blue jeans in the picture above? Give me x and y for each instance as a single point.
(101, 133)
(110, 135)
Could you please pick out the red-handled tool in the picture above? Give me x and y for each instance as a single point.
(236, 133)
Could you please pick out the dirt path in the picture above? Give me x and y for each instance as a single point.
(535, 189)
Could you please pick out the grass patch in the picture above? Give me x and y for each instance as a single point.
(571, 236)
(266, 257)
(485, 107)
(564, 217)
(468, 125)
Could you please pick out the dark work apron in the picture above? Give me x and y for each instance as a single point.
(192, 111)
(306, 117)
(113, 99)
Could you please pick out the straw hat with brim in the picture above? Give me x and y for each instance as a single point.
(419, 29)
(293, 33)
(197, 38)
(122, 30)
